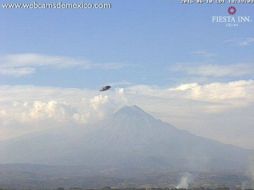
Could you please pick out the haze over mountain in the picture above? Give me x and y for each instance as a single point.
(131, 140)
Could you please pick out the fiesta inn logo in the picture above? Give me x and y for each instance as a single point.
(231, 10)
(231, 20)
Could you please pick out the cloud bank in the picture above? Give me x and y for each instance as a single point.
(220, 111)
(19, 65)
(243, 42)
(215, 70)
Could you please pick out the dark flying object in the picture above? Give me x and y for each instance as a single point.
(104, 88)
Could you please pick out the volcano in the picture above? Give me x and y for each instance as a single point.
(131, 142)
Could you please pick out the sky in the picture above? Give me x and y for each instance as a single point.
(169, 58)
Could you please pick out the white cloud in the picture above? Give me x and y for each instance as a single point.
(97, 101)
(224, 95)
(18, 72)
(218, 91)
(26, 64)
(209, 98)
(247, 42)
(243, 42)
(215, 70)
(25, 109)
(41, 110)
(203, 53)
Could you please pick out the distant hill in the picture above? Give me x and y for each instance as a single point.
(128, 144)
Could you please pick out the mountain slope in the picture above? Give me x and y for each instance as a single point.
(129, 142)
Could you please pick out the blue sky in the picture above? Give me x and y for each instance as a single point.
(146, 38)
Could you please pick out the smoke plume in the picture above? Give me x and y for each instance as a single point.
(184, 181)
